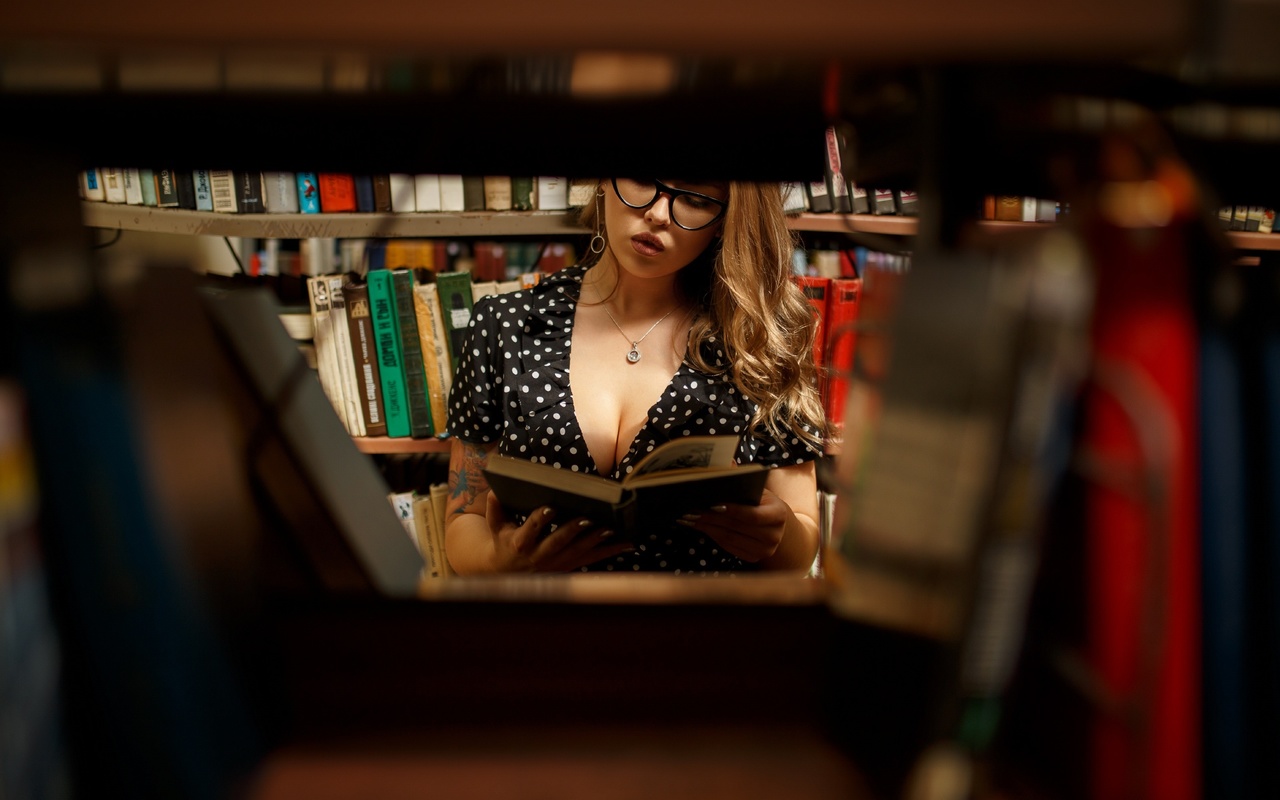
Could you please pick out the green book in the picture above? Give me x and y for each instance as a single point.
(522, 192)
(455, 303)
(386, 335)
(415, 372)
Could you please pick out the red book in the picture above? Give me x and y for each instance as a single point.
(843, 300)
(816, 289)
(337, 192)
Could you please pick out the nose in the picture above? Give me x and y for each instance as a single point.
(659, 213)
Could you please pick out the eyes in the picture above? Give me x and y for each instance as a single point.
(691, 210)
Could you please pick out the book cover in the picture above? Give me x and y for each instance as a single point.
(364, 353)
(819, 196)
(280, 192)
(859, 200)
(473, 193)
(837, 186)
(326, 358)
(402, 193)
(452, 197)
(456, 302)
(204, 189)
(522, 192)
(882, 201)
(132, 187)
(551, 193)
(426, 192)
(427, 539)
(421, 425)
(439, 493)
(678, 477)
(185, 184)
(908, 202)
(249, 192)
(382, 193)
(91, 185)
(1008, 208)
(222, 185)
(816, 290)
(147, 181)
(364, 192)
(113, 184)
(794, 200)
(166, 189)
(308, 193)
(346, 357)
(436, 360)
(382, 306)
(337, 192)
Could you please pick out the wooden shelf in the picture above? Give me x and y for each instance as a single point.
(116, 216)
(383, 445)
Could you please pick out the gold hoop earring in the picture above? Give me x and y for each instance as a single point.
(597, 242)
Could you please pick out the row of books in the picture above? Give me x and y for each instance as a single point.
(422, 514)
(1017, 208)
(1247, 219)
(244, 192)
(385, 345)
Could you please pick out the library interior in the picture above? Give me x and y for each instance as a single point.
(246, 255)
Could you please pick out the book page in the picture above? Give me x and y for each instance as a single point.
(690, 452)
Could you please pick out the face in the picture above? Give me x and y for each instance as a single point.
(648, 242)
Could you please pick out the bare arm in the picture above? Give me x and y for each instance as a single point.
(466, 529)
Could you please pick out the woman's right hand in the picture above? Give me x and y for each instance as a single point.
(541, 544)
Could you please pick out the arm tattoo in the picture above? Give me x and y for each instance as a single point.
(466, 483)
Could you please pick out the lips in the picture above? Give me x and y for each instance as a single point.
(647, 244)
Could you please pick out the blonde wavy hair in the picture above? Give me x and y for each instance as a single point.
(743, 283)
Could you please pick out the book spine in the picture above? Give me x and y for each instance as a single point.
(364, 192)
(832, 172)
(402, 193)
(522, 192)
(382, 192)
(166, 189)
(435, 351)
(326, 360)
(185, 184)
(222, 184)
(91, 185)
(147, 181)
(249, 199)
(280, 192)
(337, 192)
(308, 193)
(346, 357)
(132, 187)
(551, 193)
(819, 196)
(473, 193)
(415, 376)
(382, 307)
(840, 344)
(204, 190)
(497, 192)
(426, 192)
(364, 353)
(113, 184)
(455, 303)
(452, 196)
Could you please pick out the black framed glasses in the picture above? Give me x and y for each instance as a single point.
(689, 210)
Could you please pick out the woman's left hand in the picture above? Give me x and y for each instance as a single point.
(752, 533)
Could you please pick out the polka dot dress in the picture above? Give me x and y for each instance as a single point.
(512, 387)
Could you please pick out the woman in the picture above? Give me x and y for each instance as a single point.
(682, 320)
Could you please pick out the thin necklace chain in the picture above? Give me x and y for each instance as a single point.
(634, 354)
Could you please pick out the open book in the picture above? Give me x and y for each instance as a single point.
(683, 475)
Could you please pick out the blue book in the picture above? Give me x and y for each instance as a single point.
(364, 193)
(147, 177)
(308, 193)
(204, 190)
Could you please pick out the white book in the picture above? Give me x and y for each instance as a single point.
(402, 193)
(326, 358)
(91, 185)
(1046, 210)
(793, 198)
(1030, 209)
(222, 183)
(346, 359)
(133, 187)
(426, 192)
(113, 184)
(497, 192)
(451, 197)
(581, 192)
(551, 193)
(203, 189)
(280, 192)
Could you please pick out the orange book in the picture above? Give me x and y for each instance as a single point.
(337, 192)
(843, 300)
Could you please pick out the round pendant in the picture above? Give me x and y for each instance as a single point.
(633, 356)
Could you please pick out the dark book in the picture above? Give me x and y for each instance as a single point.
(455, 303)
(819, 196)
(167, 189)
(184, 183)
(415, 375)
(382, 192)
(473, 193)
(364, 352)
(681, 476)
(882, 201)
(837, 185)
(364, 193)
(249, 192)
(522, 192)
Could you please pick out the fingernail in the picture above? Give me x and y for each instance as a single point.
(584, 523)
(691, 516)
(720, 509)
(605, 534)
(685, 522)
(548, 512)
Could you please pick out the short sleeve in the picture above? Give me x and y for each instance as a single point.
(474, 410)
